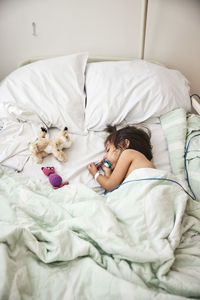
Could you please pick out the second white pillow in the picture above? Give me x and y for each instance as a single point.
(132, 92)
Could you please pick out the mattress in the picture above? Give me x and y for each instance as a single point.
(85, 97)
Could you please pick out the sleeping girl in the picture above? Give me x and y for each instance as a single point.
(127, 149)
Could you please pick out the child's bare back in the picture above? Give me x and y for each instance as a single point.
(138, 161)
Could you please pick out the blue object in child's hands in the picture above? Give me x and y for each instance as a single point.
(107, 163)
(104, 162)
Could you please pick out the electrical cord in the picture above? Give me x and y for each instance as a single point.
(195, 95)
(150, 179)
(185, 165)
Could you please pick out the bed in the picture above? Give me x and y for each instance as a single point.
(140, 241)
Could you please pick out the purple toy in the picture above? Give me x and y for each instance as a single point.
(54, 178)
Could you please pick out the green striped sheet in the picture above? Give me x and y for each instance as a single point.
(180, 130)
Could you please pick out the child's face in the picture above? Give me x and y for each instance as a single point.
(112, 154)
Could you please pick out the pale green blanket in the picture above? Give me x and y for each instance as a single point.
(142, 241)
(183, 132)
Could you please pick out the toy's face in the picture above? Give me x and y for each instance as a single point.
(66, 136)
(67, 143)
(67, 140)
(63, 140)
(48, 170)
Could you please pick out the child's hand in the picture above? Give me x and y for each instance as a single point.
(107, 171)
(92, 169)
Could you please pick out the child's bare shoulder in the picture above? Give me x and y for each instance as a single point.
(131, 153)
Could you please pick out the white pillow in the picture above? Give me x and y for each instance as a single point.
(53, 88)
(132, 92)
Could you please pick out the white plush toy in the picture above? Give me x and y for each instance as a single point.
(43, 146)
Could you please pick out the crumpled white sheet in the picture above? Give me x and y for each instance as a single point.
(19, 128)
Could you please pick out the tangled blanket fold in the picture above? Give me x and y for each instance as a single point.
(139, 242)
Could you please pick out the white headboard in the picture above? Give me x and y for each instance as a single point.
(92, 58)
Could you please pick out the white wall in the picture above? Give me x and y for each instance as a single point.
(173, 36)
(106, 27)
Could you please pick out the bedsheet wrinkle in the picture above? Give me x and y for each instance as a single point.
(135, 243)
(19, 128)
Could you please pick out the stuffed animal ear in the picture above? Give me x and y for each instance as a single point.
(43, 129)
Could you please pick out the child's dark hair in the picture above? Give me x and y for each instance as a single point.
(138, 138)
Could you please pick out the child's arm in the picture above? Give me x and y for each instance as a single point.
(118, 173)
